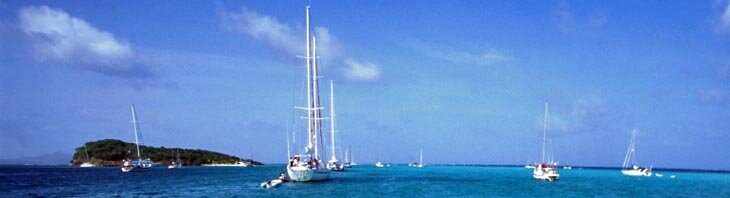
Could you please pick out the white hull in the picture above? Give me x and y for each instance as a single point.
(303, 174)
(548, 173)
(636, 172)
(135, 166)
(87, 165)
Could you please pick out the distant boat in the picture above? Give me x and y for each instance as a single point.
(379, 164)
(546, 171)
(176, 162)
(236, 164)
(418, 164)
(348, 163)
(87, 163)
(333, 164)
(630, 160)
(140, 164)
(309, 166)
(567, 167)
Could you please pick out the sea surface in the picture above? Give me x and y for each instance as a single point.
(361, 181)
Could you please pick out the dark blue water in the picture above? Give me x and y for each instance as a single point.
(363, 181)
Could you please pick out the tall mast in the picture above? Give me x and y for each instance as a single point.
(135, 125)
(332, 119)
(309, 89)
(288, 148)
(630, 152)
(87, 153)
(420, 160)
(315, 97)
(544, 133)
(347, 155)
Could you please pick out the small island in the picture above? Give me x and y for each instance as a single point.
(111, 152)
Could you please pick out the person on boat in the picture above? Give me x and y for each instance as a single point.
(282, 177)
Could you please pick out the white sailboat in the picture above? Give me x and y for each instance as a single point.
(546, 171)
(87, 163)
(418, 164)
(347, 163)
(308, 166)
(176, 162)
(630, 159)
(420, 160)
(333, 164)
(140, 164)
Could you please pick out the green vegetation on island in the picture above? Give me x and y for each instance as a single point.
(111, 152)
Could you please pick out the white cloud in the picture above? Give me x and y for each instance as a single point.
(289, 41)
(714, 96)
(59, 37)
(361, 71)
(571, 22)
(283, 38)
(488, 57)
(585, 114)
(725, 18)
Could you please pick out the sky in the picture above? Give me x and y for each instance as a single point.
(466, 81)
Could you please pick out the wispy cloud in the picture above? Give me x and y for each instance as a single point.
(486, 57)
(59, 37)
(569, 22)
(724, 21)
(714, 96)
(361, 71)
(288, 41)
(589, 113)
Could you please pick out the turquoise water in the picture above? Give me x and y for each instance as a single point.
(362, 181)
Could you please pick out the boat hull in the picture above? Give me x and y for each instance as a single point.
(304, 174)
(636, 172)
(545, 173)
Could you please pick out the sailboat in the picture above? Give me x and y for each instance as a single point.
(333, 164)
(630, 159)
(175, 163)
(87, 163)
(546, 171)
(347, 163)
(308, 166)
(418, 164)
(140, 164)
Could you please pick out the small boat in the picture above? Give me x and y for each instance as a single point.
(348, 163)
(275, 182)
(237, 164)
(140, 164)
(530, 166)
(175, 163)
(630, 158)
(87, 163)
(379, 164)
(272, 183)
(658, 175)
(546, 171)
(333, 164)
(418, 164)
(567, 167)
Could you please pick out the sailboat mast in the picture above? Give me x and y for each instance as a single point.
(288, 148)
(420, 159)
(309, 89)
(315, 85)
(347, 155)
(630, 150)
(332, 118)
(87, 153)
(135, 125)
(544, 133)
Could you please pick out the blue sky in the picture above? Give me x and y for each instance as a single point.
(464, 80)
